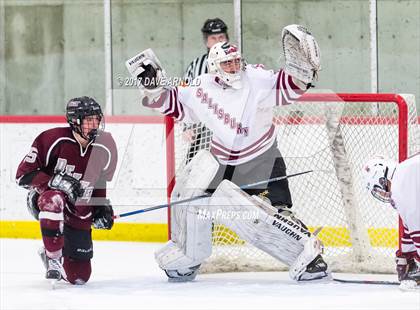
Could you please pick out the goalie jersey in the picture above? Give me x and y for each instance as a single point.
(241, 119)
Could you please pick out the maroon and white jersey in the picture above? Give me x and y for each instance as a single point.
(57, 150)
(405, 193)
(241, 119)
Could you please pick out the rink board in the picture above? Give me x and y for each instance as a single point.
(140, 181)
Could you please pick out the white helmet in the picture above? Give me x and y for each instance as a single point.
(378, 173)
(225, 51)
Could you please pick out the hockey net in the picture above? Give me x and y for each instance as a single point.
(333, 135)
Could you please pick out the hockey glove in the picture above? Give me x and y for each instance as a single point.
(103, 216)
(301, 52)
(32, 203)
(68, 185)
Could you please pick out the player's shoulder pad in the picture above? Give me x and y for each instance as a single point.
(410, 164)
(106, 139)
(52, 134)
(201, 80)
(258, 71)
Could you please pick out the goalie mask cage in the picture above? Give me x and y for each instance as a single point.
(334, 135)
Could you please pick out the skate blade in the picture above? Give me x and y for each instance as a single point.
(327, 278)
(53, 283)
(409, 286)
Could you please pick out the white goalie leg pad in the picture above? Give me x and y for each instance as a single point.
(191, 231)
(196, 176)
(171, 257)
(258, 223)
(190, 242)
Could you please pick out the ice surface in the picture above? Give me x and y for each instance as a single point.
(125, 276)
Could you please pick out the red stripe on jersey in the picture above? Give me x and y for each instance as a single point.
(406, 242)
(285, 92)
(416, 239)
(299, 92)
(291, 92)
(170, 109)
(175, 108)
(406, 234)
(278, 88)
(266, 136)
(228, 157)
(180, 106)
(227, 154)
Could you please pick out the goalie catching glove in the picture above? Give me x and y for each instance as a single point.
(147, 71)
(301, 52)
(103, 216)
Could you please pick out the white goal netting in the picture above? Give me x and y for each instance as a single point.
(334, 135)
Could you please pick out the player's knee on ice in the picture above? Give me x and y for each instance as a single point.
(78, 272)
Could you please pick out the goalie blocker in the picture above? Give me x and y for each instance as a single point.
(146, 68)
(274, 231)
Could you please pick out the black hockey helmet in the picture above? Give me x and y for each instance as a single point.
(77, 109)
(214, 26)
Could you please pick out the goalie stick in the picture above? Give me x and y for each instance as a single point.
(405, 285)
(207, 195)
(346, 281)
(376, 282)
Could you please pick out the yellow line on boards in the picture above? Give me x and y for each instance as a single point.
(157, 232)
(143, 232)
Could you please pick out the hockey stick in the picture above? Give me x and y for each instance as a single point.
(207, 195)
(376, 282)
(316, 232)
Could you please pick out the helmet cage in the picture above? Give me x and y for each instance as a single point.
(378, 182)
(379, 193)
(217, 55)
(78, 109)
(229, 78)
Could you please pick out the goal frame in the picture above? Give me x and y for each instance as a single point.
(391, 98)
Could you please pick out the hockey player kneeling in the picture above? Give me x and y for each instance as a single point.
(66, 172)
(235, 101)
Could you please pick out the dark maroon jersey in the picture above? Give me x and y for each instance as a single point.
(57, 150)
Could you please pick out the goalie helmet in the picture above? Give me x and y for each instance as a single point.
(78, 109)
(378, 174)
(224, 52)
